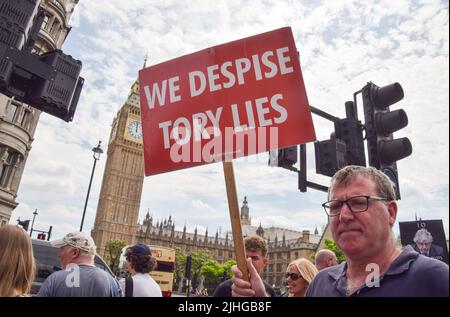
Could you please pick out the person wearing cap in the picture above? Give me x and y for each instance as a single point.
(79, 276)
(140, 263)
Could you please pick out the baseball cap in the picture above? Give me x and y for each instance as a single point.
(141, 249)
(76, 239)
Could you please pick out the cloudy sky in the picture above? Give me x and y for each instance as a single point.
(342, 44)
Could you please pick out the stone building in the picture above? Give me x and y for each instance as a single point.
(18, 121)
(164, 234)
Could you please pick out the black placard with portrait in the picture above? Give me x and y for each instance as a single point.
(426, 237)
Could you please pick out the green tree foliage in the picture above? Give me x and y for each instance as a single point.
(214, 273)
(331, 245)
(203, 266)
(211, 272)
(180, 264)
(199, 258)
(114, 249)
(226, 267)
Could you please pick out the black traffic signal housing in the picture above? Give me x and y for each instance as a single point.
(24, 224)
(49, 82)
(41, 236)
(350, 130)
(345, 146)
(330, 155)
(187, 271)
(380, 124)
(285, 157)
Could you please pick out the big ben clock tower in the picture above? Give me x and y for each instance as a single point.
(120, 194)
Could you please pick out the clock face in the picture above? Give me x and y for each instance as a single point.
(135, 130)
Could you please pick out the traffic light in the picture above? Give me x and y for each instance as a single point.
(24, 224)
(285, 157)
(49, 82)
(383, 150)
(187, 271)
(345, 146)
(41, 236)
(350, 131)
(330, 155)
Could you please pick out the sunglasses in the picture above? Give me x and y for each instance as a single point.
(293, 276)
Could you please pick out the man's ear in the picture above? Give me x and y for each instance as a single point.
(392, 210)
(76, 252)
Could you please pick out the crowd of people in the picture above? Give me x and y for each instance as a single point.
(362, 210)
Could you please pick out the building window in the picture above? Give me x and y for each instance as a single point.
(57, 33)
(7, 163)
(12, 111)
(25, 119)
(3, 223)
(54, 28)
(45, 23)
(278, 267)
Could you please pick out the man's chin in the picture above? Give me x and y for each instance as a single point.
(350, 247)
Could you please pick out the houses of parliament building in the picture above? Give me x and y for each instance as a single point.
(119, 204)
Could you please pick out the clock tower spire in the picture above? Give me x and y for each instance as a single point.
(120, 194)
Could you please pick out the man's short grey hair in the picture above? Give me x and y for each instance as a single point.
(345, 175)
(322, 256)
(423, 235)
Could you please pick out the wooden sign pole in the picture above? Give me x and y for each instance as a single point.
(235, 218)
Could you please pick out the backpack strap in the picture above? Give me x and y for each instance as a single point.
(129, 286)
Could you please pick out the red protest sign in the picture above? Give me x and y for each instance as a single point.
(227, 101)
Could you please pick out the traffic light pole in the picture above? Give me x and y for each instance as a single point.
(323, 114)
(303, 183)
(32, 224)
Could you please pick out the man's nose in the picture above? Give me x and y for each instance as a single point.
(346, 214)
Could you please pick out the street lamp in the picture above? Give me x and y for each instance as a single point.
(97, 151)
(32, 224)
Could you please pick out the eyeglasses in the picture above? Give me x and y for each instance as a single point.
(293, 276)
(355, 204)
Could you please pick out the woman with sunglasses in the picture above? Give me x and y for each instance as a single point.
(299, 274)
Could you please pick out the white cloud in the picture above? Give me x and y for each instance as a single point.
(342, 45)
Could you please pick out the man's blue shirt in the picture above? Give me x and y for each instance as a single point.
(410, 275)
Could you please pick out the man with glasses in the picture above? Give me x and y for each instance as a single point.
(256, 252)
(362, 210)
